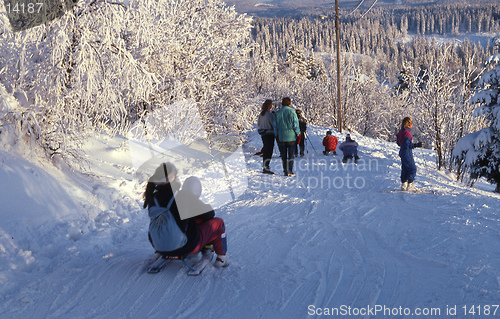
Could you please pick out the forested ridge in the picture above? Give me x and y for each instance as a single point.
(381, 33)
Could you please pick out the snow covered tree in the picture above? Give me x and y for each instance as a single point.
(104, 64)
(198, 49)
(263, 72)
(77, 74)
(367, 106)
(435, 88)
(315, 67)
(479, 152)
(296, 60)
(462, 113)
(404, 78)
(496, 41)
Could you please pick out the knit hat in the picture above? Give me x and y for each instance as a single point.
(329, 133)
(166, 172)
(192, 184)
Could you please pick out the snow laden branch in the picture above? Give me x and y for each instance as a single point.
(104, 65)
(436, 89)
(200, 50)
(77, 73)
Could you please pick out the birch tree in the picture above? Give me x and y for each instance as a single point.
(436, 88)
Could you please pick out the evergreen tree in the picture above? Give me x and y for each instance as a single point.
(480, 151)
(296, 60)
(404, 78)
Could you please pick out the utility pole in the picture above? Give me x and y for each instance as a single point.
(337, 31)
(337, 27)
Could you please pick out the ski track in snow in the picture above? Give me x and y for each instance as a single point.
(291, 244)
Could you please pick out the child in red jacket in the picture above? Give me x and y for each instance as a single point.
(330, 142)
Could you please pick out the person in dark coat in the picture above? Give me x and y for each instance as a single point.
(302, 136)
(408, 167)
(266, 131)
(201, 230)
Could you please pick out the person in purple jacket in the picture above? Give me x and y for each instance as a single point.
(350, 149)
(408, 167)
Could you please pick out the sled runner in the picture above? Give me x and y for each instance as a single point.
(193, 270)
(410, 192)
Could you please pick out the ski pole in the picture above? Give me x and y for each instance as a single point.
(305, 134)
(307, 148)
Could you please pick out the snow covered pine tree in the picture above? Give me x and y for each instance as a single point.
(480, 151)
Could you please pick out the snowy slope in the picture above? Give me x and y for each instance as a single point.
(75, 246)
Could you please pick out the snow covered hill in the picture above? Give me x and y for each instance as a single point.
(297, 8)
(329, 240)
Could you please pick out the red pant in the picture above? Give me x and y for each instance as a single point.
(212, 232)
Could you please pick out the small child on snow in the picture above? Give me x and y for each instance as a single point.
(211, 230)
(330, 143)
(350, 149)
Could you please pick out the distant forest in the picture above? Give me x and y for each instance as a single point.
(382, 35)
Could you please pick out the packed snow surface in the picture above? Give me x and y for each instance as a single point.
(326, 243)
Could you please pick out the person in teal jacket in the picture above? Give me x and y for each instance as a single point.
(286, 130)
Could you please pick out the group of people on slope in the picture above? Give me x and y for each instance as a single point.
(204, 229)
(287, 127)
(349, 147)
(404, 140)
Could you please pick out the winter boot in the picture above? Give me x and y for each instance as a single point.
(267, 170)
(221, 261)
(411, 187)
(404, 186)
(207, 250)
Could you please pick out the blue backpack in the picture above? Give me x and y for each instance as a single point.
(164, 232)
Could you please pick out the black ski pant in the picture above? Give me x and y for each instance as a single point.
(267, 152)
(287, 150)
